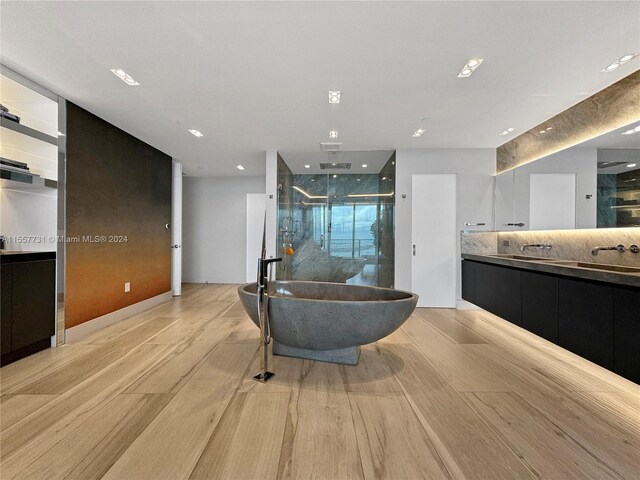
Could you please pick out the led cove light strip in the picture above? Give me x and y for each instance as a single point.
(310, 197)
(358, 195)
(124, 76)
(470, 67)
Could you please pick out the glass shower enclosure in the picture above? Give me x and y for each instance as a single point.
(336, 227)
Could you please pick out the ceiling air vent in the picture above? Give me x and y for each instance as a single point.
(330, 146)
(335, 166)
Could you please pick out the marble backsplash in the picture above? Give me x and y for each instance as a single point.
(566, 244)
(479, 243)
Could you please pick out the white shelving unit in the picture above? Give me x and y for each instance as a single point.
(28, 200)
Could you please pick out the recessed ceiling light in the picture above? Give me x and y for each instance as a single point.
(631, 165)
(239, 167)
(334, 164)
(632, 131)
(358, 179)
(124, 76)
(611, 67)
(364, 165)
(627, 57)
(307, 166)
(507, 131)
(333, 133)
(196, 133)
(419, 132)
(335, 176)
(313, 179)
(470, 67)
(334, 96)
(624, 59)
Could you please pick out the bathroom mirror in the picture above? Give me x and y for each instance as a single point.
(595, 184)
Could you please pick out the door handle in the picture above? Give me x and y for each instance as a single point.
(414, 250)
(175, 246)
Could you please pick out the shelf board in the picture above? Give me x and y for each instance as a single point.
(24, 180)
(28, 131)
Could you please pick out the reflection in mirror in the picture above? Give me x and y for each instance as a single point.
(618, 188)
(596, 183)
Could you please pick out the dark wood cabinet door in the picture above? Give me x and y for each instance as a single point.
(626, 324)
(33, 302)
(469, 281)
(540, 305)
(585, 321)
(498, 290)
(5, 307)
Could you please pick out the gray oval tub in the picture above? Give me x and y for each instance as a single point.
(328, 321)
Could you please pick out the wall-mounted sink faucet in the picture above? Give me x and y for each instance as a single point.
(541, 246)
(634, 249)
(620, 248)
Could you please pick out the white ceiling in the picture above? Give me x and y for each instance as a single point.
(254, 76)
(615, 139)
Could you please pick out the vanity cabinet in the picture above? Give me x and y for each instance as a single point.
(626, 319)
(540, 305)
(597, 320)
(469, 281)
(6, 272)
(28, 306)
(498, 290)
(586, 320)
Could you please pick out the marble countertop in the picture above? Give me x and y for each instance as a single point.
(631, 279)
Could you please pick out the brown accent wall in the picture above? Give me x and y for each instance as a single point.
(614, 107)
(119, 186)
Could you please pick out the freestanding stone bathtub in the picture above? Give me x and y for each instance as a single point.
(328, 321)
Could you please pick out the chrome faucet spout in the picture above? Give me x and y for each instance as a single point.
(541, 246)
(620, 248)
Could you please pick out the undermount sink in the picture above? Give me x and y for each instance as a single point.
(518, 257)
(598, 266)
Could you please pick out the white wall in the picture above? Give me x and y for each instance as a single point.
(214, 227)
(475, 169)
(31, 213)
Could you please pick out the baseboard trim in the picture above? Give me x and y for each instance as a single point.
(464, 305)
(79, 332)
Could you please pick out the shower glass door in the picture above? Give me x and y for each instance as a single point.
(335, 227)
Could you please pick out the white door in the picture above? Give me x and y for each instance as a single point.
(176, 230)
(256, 204)
(433, 226)
(552, 201)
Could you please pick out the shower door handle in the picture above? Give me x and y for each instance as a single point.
(414, 250)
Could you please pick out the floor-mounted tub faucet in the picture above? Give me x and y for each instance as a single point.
(541, 246)
(620, 248)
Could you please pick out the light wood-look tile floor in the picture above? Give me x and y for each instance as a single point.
(168, 394)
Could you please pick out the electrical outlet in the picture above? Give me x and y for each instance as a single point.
(506, 243)
(127, 287)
